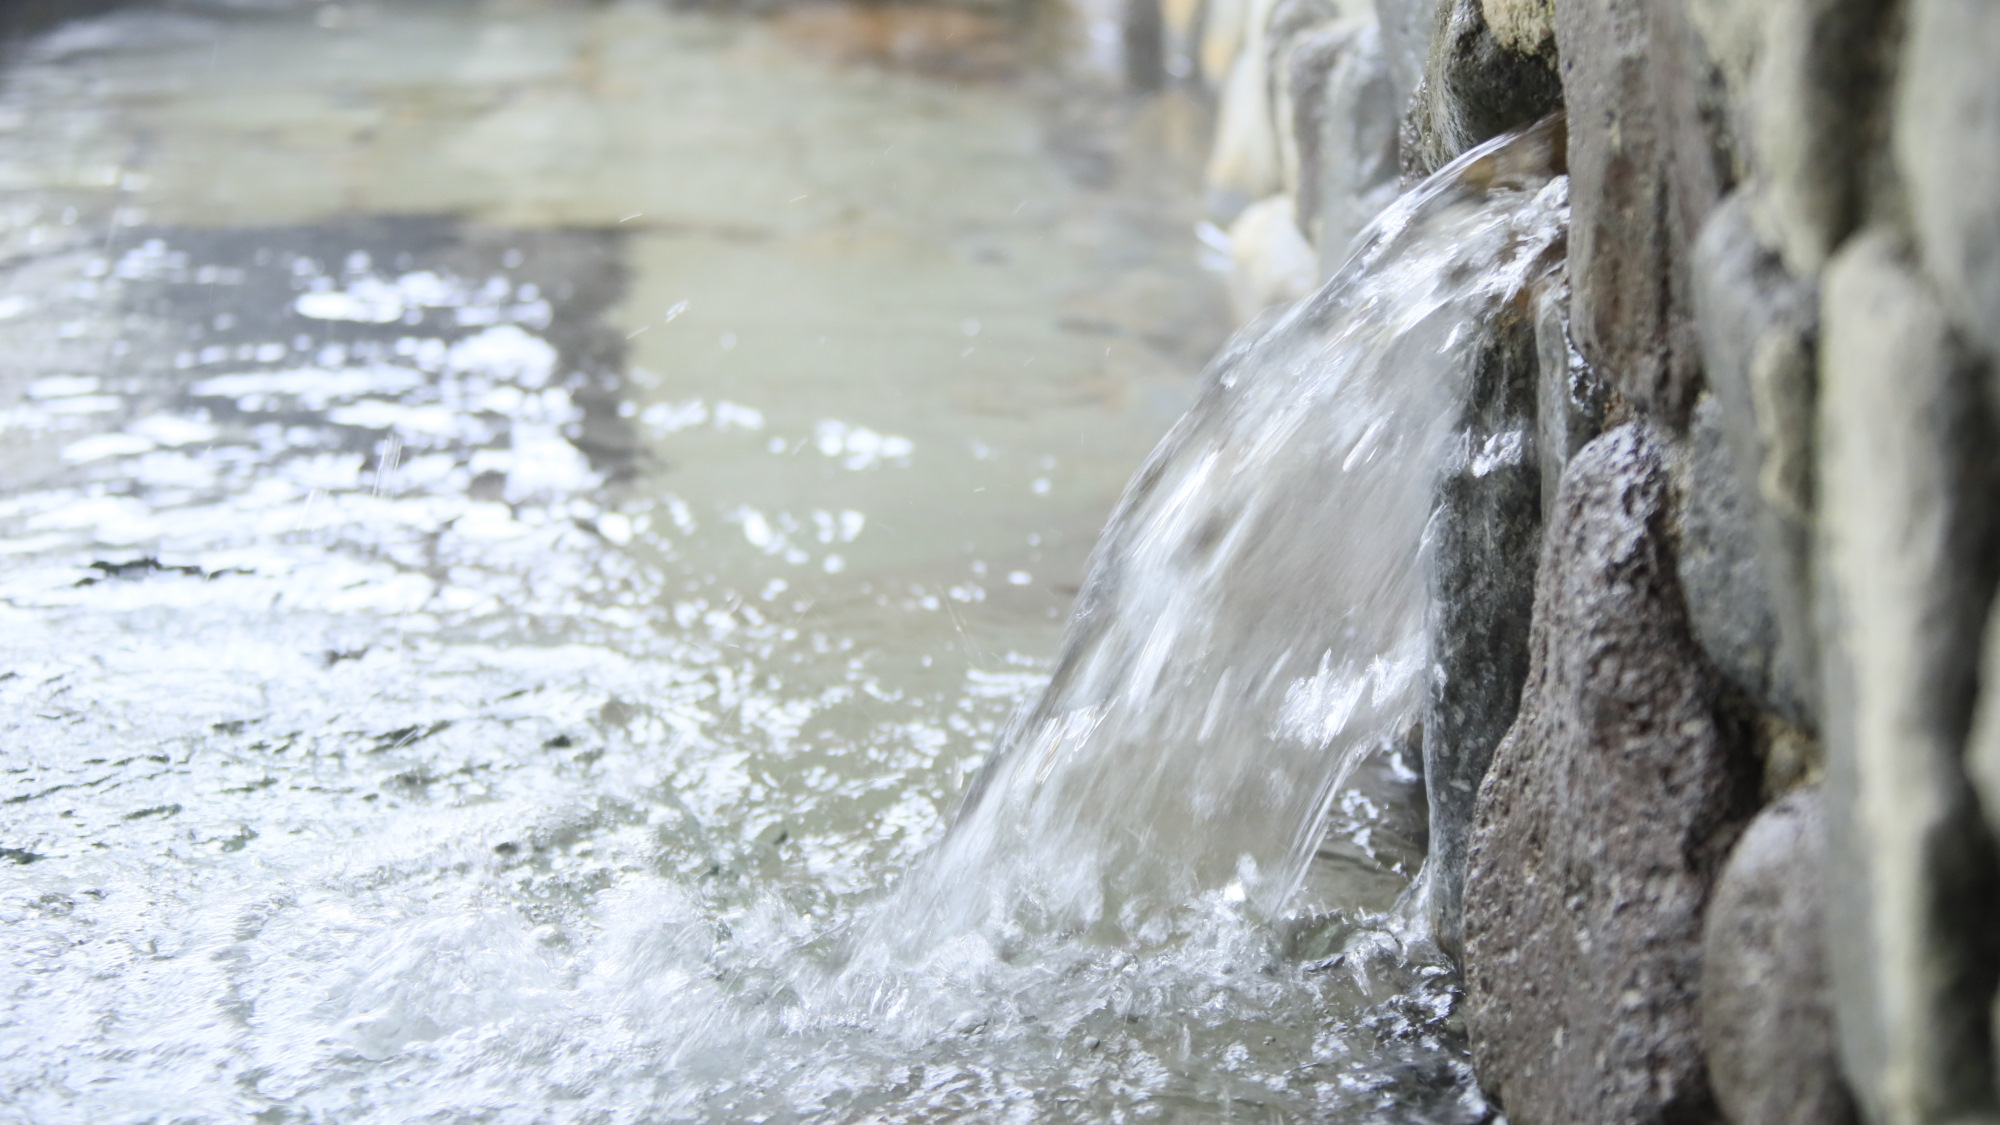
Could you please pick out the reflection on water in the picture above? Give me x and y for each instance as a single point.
(517, 520)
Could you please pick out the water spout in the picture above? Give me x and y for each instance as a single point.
(1253, 623)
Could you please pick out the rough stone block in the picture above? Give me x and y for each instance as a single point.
(1344, 119)
(1473, 89)
(1906, 555)
(1569, 398)
(1947, 146)
(1766, 1010)
(1648, 160)
(1603, 820)
(1759, 332)
(1484, 544)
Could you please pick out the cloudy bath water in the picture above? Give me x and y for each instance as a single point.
(518, 523)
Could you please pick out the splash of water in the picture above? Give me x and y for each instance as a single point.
(1252, 626)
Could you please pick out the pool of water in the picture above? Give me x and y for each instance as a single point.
(518, 519)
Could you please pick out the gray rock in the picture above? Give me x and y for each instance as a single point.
(1485, 537)
(1766, 1011)
(1345, 121)
(1646, 164)
(1473, 89)
(1721, 571)
(1759, 329)
(1569, 398)
(1947, 146)
(1812, 92)
(1600, 826)
(1905, 551)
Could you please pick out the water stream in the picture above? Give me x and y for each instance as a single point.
(519, 524)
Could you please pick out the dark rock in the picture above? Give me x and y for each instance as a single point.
(1759, 329)
(1569, 398)
(1648, 160)
(1484, 541)
(1906, 555)
(1344, 119)
(1599, 828)
(1721, 571)
(1766, 1011)
(1947, 148)
(1473, 89)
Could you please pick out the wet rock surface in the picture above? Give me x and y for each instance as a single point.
(1604, 817)
(1487, 530)
(1569, 398)
(1905, 538)
(1766, 1006)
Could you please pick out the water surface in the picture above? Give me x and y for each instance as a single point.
(520, 519)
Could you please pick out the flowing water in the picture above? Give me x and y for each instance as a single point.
(519, 522)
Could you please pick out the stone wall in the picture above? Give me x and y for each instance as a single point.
(1714, 749)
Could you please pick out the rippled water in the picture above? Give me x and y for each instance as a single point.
(518, 522)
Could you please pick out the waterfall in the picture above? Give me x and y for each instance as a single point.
(1253, 622)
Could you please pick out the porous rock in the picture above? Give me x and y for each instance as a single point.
(1905, 552)
(1602, 821)
(1766, 1012)
(1759, 331)
(1473, 89)
(1947, 145)
(1485, 536)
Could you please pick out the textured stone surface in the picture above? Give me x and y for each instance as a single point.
(1722, 573)
(1948, 149)
(1345, 119)
(1766, 1013)
(1569, 398)
(1526, 27)
(1649, 157)
(1626, 311)
(1473, 89)
(1485, 539)
(1906, 554)
(1602, 821)
(1759, 328)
